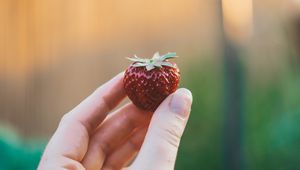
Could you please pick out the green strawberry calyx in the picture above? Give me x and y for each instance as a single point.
(156, 61)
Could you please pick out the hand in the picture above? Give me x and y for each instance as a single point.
(89, 138)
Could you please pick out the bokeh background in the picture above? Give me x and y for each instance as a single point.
(240, 59)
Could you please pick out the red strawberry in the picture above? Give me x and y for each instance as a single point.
(148, 82)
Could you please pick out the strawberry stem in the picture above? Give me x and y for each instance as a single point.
(156, 61)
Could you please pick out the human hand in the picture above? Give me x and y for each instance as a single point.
(89, 137)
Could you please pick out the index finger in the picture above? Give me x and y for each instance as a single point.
(72, 136)
(93, 110)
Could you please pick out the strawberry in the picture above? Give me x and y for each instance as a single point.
(147, 82)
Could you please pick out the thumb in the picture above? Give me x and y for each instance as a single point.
(161, 143)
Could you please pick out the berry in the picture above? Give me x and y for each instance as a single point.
(147, 82)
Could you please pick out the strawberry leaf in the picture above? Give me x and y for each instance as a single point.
(167, 64)
(156, 61)
(167, 56)
(150, 67)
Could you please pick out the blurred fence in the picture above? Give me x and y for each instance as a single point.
(54, 53)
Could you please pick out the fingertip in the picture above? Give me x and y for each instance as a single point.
(181, 102)
(119, 77)
(186, 93)
(121, 74)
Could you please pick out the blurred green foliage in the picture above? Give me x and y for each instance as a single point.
(202, 141)
(16, 154)
(271, 114)
(272, 123)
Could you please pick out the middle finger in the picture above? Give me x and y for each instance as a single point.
(112, 133)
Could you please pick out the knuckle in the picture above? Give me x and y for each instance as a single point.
(102, 96)
(59, 163)
(65, 119)
(103, 146)
(73, 165)
(173, 131)
(172, 137)
(110, 166)
(103, 104)
(134, 145)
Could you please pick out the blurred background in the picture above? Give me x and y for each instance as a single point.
(241, 60)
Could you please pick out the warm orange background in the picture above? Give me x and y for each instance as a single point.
(53, 53)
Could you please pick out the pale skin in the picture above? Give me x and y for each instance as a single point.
(93, 137)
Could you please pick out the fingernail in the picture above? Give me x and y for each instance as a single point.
(181, 102)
